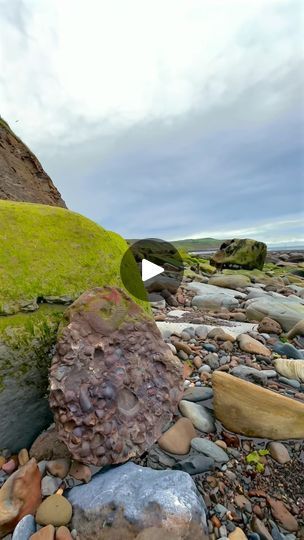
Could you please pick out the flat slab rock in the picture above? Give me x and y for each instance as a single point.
(114, 382)
(133, 498)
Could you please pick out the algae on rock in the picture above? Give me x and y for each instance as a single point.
(48, 257)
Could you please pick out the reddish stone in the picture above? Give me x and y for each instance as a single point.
(20, 495)
(46, 533)
(282, 514)
(63, 533)
(9, 467)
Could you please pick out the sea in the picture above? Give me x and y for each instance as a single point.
(270, 247)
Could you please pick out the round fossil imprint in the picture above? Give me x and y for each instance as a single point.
(114, 382)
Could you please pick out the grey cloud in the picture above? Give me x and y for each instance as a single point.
(232, 167)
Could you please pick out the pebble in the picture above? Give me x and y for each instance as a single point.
(201, 332)
(199, 416)
(49, 485)
(220, 510)
(282, 515)
(252, 346)
(2, 461)
(198, 394)
(221, 444)
(209, 347)
(178, 438)
(258, 526)
(243, 503)
(63, 533)
(205, 369)
(237, 534)
(80, 471)
(212, 360)
(25, 528)
(197, 362)
(23, 456)
(10, 466)
(286, 349)
(58, 467)
(210, 449)
(290, 382)
(279, 452)
(249, 374)
(46, 533)
(195, 464)
(55, 510)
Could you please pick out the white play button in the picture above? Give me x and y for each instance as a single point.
(150, 270)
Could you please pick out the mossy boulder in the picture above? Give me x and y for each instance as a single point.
(48, 257)
(241, 253)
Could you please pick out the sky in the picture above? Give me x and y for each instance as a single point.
(163, 118)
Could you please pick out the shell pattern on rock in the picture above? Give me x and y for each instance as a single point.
(292, 369)
(114, 383)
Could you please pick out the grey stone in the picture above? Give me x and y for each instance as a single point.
(204, 369)
(212, 360)
(249, 374)
(195, 464)
(210, 449)
(270, 373)
(198, 394)
(214, 301)
(210, 347)
(201, 332)
(49, 484)
(25, 528)
(290, 382)
(199, 415)
(157, 301)
(286, 349)
(204, 289)
(284, 311)
(141, 496)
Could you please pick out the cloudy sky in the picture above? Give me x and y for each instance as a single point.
(163, 118)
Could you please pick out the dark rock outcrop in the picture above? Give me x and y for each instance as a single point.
(114, 382)
(22, 177)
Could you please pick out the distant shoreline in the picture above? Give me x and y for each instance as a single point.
(272, 248)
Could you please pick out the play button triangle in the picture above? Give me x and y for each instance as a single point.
(150, 270)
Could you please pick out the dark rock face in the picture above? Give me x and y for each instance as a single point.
(240, 253)
(114, 382)
(22, 177)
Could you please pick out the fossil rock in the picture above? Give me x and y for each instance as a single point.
(114, 382)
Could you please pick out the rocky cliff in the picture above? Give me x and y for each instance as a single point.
(22, 177)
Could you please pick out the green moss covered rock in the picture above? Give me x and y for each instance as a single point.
(242, 253)
(48, 257)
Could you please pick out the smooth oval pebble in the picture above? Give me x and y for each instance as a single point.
(55, 510)
(210, 449)
(25, 528)
(23, 456)
(58, 467)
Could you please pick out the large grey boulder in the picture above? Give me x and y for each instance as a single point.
(211, 297)
(287, 312)
(130, 499)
